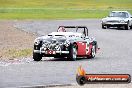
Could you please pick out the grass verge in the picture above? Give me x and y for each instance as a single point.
(60, 9)
(40, 13)
(14, 53)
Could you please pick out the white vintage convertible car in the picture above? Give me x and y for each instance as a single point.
(68, 42)
(118, 19)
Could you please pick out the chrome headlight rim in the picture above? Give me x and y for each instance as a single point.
(36, 42)
(67, 43)
(58, 48)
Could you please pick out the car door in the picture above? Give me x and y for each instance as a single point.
(88, 46)
(81, 48)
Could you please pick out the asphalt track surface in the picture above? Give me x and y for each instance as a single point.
(114, 56)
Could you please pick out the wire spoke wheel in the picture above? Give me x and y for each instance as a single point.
(74, 53)
(93, 51)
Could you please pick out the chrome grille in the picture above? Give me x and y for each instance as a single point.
(113, 21)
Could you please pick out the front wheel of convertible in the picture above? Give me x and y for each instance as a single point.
(37, 56)
(93, 51)
(73, 53)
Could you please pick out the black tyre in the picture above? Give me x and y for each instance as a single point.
(73, 53)
(107, 26)
(37, 56)
(93, 51)
(103, 27)
(130, 27)
(127, 27)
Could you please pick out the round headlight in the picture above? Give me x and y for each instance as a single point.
(67, 43)
(57, 48)
(36, 42)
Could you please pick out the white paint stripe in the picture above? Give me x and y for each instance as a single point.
(46, 86)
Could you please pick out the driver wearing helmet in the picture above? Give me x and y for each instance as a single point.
(61, 29)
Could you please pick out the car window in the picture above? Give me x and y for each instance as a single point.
(118, 14)
(80, 31)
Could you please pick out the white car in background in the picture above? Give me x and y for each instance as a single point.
(118, 19)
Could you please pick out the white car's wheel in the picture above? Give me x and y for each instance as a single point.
(127, 27)
(131, 27)
(103, 27)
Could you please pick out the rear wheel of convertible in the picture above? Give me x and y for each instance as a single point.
(73, 53)
(37, 56)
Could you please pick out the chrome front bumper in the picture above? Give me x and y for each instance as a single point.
(114, 23)
(50, 52)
